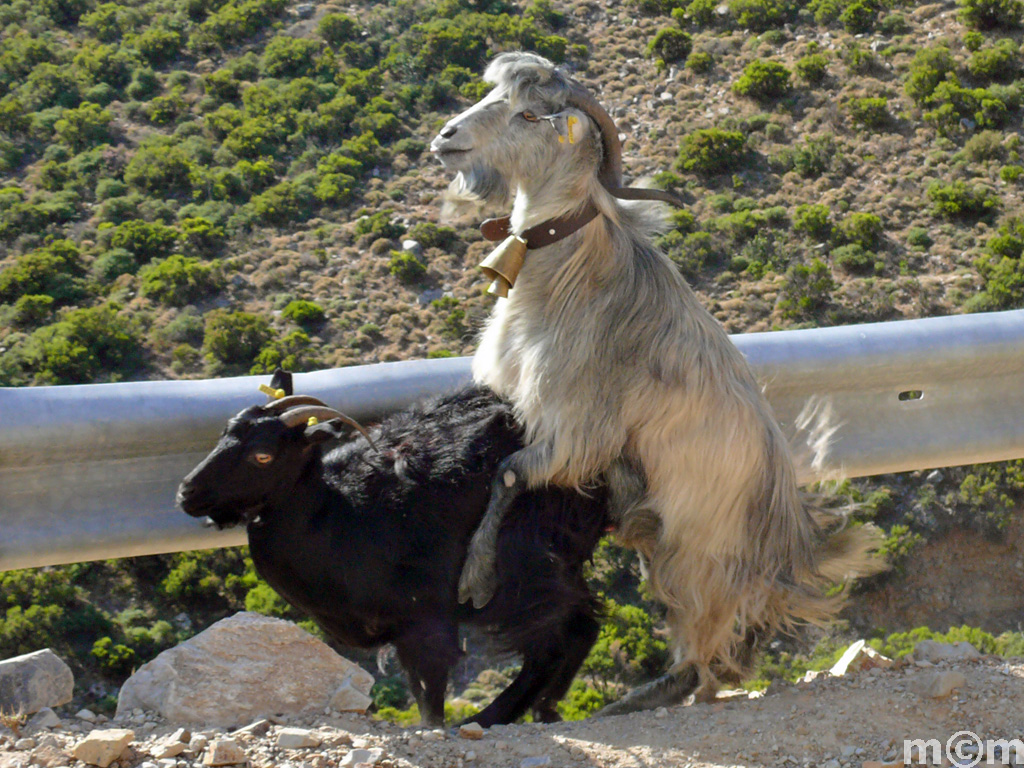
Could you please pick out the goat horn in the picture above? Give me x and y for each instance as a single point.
(611, 167)
(304, 413)
(284, 403)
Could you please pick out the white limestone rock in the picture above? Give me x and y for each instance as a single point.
(241, 669)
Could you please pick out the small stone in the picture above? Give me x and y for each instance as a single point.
(50, 757)
(224, 752)
(471, 731)
(258, 728)
(858, 658)
(348, 698)
(45, 718)
(357, 756)
(941, 684)
(413, 247)
(470, 756)
(167, 762)
(25, 744)
(661, 713)
(435, 735)
(848, 751)
(103, 747)
(86, 714)
(168, 748)
(535, 762)
(297, 738)
(182, 734)
(198, 743)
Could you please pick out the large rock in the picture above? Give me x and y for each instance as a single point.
(34, 681)
(240, 669)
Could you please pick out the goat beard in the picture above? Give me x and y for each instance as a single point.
(474, 193)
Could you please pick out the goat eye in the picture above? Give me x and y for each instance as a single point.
(529, 117)
(262, 458)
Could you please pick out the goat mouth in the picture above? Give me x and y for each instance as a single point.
(448, 156)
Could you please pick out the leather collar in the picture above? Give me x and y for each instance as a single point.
(546, 233)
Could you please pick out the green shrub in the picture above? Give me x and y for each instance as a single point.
(813, 156)
(991, 14)
(159, 45)
(813, 220)
(303, 312)
(959, 200)
(111, 264)
(32, 311)
(1011, 173)
(918, 237)
(763, 80)
(929, 68)
(83, 346)
(282, 203)
(338, 28)
(432, 236)
(864, 229)
(894, 24)
(160, 167)
(812, 68)
(701, 13)
(179, 280)
(670, 44)
(806, 289)
(983, 146)
(290, 57)
(379, 224)
(234, 338)
(699, 62)
(1000, 63)
(293, 352)
(55, 271)
(859, 17)
(711, 151)
(145, 240)
(115, 660)
(406, 267)
(760, 15)
(627, 648)
(201, 237)
(869, 112)
(83, 127)
(853, 259)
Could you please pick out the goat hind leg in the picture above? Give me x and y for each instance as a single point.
(515, 474)
(579, 634)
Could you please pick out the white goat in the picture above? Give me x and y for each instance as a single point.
(615, 369)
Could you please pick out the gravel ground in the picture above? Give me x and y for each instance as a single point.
(860, 719)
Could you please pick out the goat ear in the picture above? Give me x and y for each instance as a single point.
(282, 380)
(335, 429)
(571, 125)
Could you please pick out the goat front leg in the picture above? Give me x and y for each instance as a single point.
(514, 476)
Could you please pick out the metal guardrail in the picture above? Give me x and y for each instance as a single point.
(89, 472)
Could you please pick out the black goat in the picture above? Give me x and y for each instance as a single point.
(369, 540)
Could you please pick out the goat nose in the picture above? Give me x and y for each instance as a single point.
(448, 131)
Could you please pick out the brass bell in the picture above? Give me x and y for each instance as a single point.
(502, 265)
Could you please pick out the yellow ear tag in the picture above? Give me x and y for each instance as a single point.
(313, 421)
(568, 127)
(277, 394)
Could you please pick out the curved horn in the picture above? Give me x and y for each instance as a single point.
(610, 173)
(611, 166)
(304, 413)
(284, 403)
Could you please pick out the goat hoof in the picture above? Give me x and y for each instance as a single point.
(479, 590)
